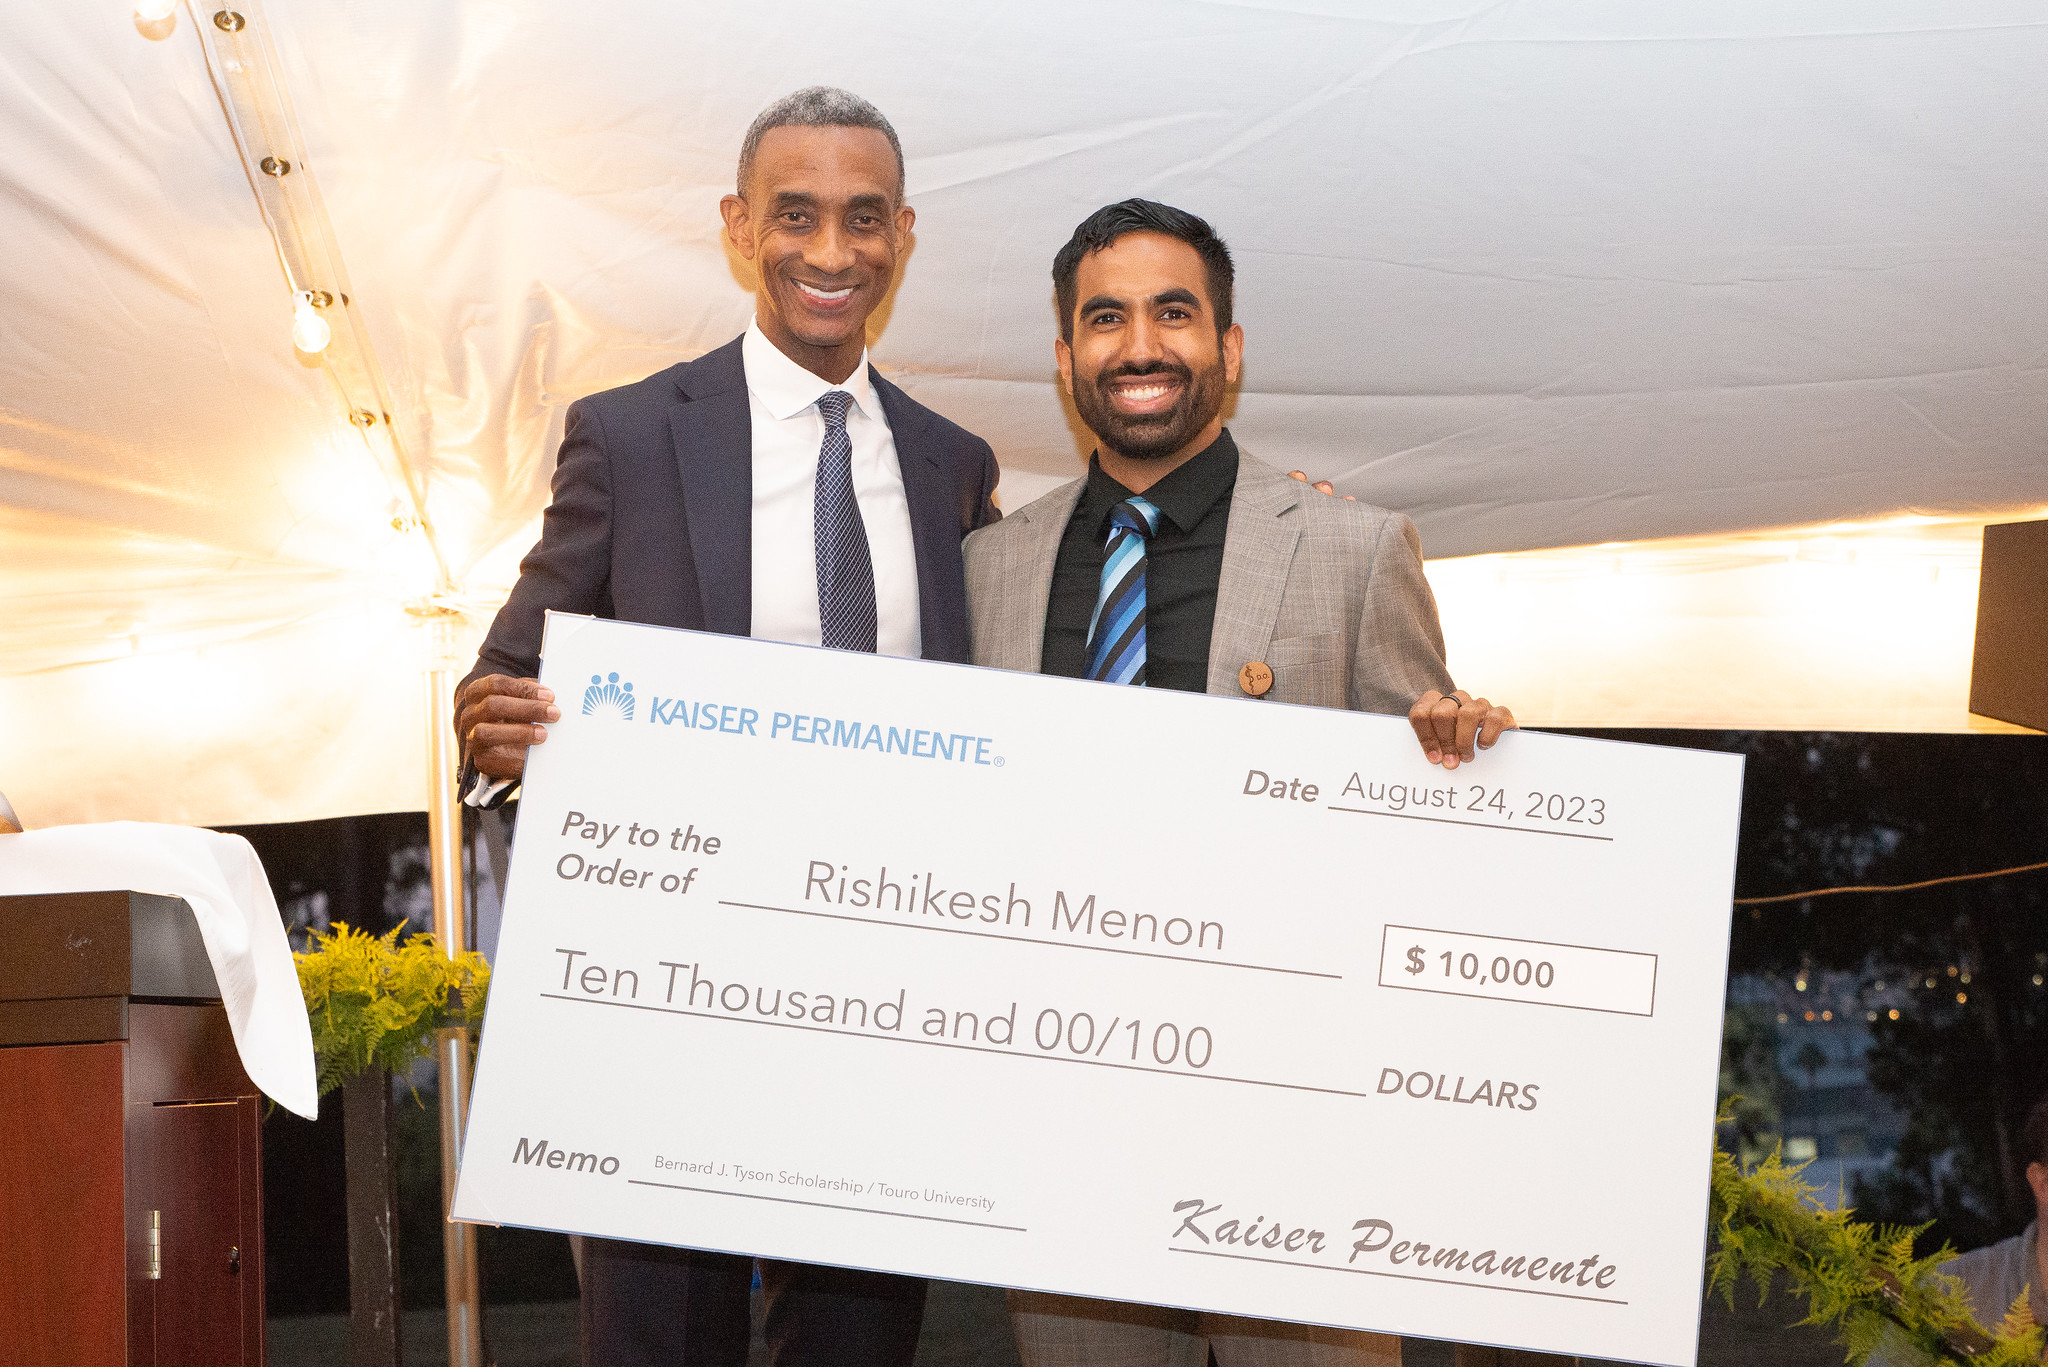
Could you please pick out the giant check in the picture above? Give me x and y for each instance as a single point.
(1133, 994)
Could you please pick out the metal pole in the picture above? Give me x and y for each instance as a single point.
(370, 1160)
(444, 844)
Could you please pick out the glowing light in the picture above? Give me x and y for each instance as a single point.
(310, 332)
(154, 11)
(1795, 629)
(1895, 1013)
(1962, 997)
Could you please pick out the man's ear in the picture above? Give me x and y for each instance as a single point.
(739, 225)
(906, 219)
(1233, 353)
(2037, 1178)
(1063, 357)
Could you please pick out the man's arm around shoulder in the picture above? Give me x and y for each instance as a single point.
(987, 474)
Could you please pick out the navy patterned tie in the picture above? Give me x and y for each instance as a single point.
(1116, 633)
(846, 576)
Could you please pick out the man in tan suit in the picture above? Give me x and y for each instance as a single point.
(1180, 561)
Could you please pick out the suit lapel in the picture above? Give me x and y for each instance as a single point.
(1017, 602)
(935, 529)
(1258, 550)
(713, 430)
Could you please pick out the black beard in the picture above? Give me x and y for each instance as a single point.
(1154, 435)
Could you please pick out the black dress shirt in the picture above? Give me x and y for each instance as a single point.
(1183, 563)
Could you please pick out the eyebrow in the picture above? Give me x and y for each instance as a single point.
(804, 199)
(1177, 295)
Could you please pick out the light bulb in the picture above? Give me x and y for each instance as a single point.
(310, 332)
(154, 11)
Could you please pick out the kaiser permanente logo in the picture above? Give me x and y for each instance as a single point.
(608, 697)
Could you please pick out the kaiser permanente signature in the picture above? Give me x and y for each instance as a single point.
(737, 719)
(1211, 1231)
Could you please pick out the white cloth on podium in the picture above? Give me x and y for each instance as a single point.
(221, 879)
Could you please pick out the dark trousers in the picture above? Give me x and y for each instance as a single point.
(645, 1305)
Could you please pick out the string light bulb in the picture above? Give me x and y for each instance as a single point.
(154, 11)
(310, 332)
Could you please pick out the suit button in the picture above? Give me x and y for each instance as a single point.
(1255, 678)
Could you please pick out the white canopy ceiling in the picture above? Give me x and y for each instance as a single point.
(1541, 275)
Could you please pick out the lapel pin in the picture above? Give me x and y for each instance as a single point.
(1255, 678)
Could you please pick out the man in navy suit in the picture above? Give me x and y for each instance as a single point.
(777, 487)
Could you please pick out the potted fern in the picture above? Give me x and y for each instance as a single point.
(375, 1003)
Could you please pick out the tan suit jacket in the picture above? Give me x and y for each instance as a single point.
(1328, 594)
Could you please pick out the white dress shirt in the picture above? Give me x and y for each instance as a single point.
(788, 432)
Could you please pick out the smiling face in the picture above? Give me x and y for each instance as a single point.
(1146, 367)
(823, 222)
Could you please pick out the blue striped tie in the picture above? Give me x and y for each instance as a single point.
(1116, 633)
(846, 576)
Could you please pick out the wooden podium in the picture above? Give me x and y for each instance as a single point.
(131, 1177)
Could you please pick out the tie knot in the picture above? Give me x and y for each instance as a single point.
(833, 404)
(1135, 514)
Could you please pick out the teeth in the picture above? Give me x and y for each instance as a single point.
(829, 296)
(1145, 394)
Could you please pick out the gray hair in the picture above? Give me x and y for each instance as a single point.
(818, 106)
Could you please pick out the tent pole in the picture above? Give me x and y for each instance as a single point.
(444, 843)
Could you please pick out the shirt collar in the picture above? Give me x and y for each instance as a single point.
(786, 389)
(1185, 496)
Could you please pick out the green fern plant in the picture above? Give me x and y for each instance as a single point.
(376, 1001)
(1860, 1278)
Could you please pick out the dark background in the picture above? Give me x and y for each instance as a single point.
(370, 872)
(1819, 809)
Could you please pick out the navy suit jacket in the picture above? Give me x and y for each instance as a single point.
(653, 513)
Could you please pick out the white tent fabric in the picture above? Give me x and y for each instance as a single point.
(1541, 275)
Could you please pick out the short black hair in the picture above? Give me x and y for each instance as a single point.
(2034, 1134)
(818, 106)
(1112, 221)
